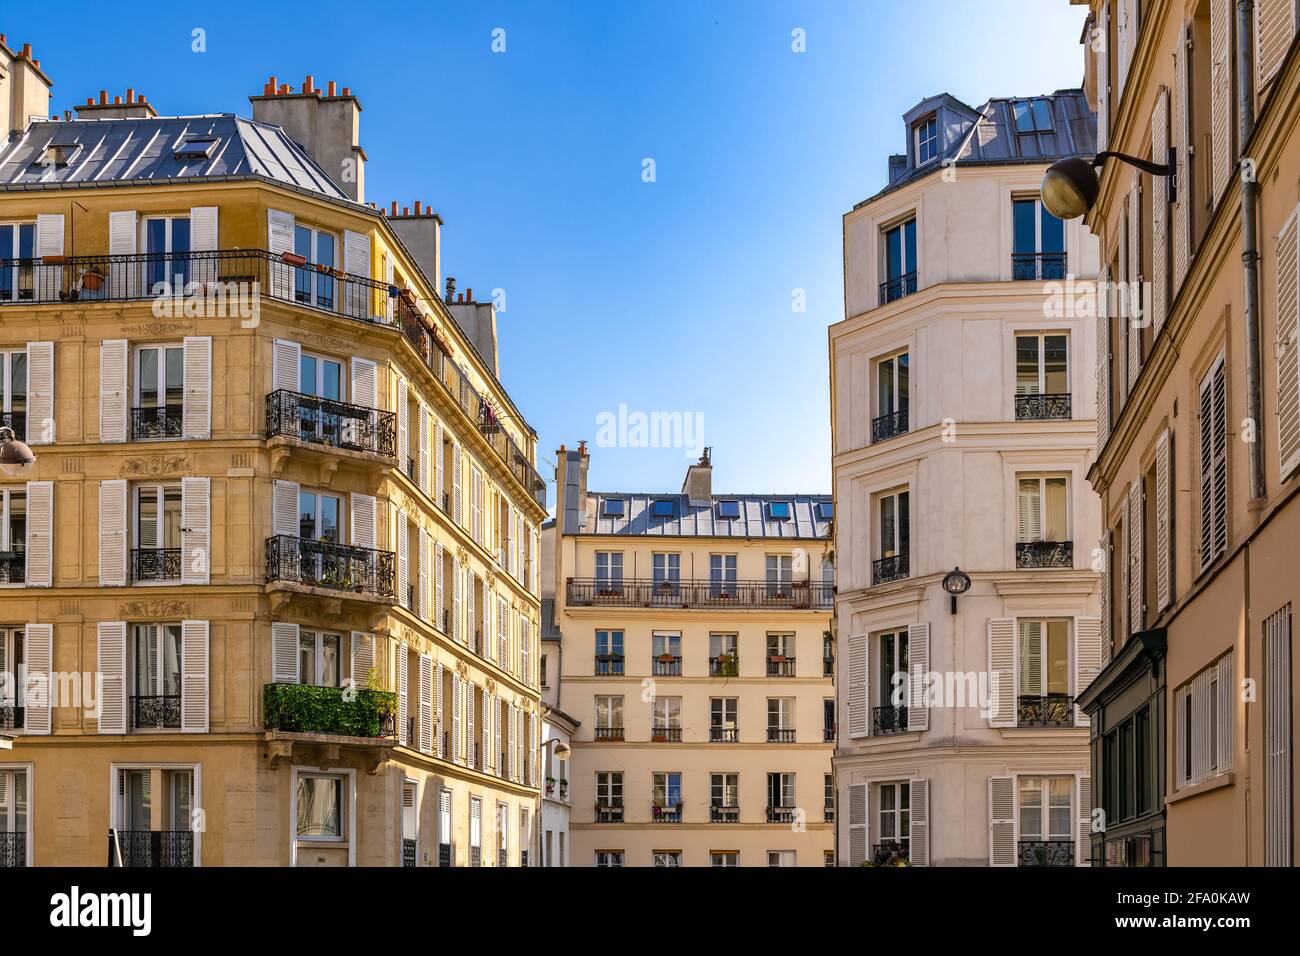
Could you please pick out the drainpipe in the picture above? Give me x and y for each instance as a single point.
(1249, 242)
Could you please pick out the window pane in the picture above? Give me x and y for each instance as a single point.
(332, 380)
(148, 378)
(171, 663)
(1024, 118)
(175, 371)
(909, 246)
(1024, 227)
(885, 387)
(887, 529)
(1055, 508)
(894, 253)
(1053, 233)
(1058, 657)
(904, 518)
(319, 808)
(329, 669)
(1055, 380)
(306, 657)
(1028, 510)
(902, 382)
(1027, 365)
(1043, 116)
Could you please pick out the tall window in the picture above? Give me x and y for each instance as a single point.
(320, 517)
(893, 511)
(780, 790)
(609, 714)
(1213, 467)
(156, 675)
(1046, 819)
(667, 570)
(609, 652)
(722, 575)
(13, 679)
(135, 799)
(667, 719)
(159, 392)
(780, 720)
(1042, 376)
(609, 572)
(320, 810)
(891, 397)
(780, 574)
(927, 140)
(319, 658)
(1038, 237)
(167, 242)
(17, 261)
(666, 792)
(900, 262)
(157, 554)
(1044, 675)
(667, 653)
(310, 286)
(13, 536)
(13, 391)
(894, 816)
(609, 788)
(13, 818)
(1043, 522)
(724, 790)
(780, 655)
(723, 720)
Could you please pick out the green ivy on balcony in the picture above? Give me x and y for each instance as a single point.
(308, 709)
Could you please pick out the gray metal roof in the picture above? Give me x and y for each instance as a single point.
(143, 150)
(988, 136)
(702, 520)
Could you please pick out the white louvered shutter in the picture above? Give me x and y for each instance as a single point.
(919, 818)
(196, 412)
(403, 426)
(363, 519)
(389, 299)
(284, 653)
(403, 706)
(124, 276)
(427, 704)
(457, 602)
(1278, 748)
(1103, 361)
(196, 534)
(498, 754)
(279, 240)
(363, 659)
(1103, 80)
(532, 750)
(112, 390)
(1133, 291)
(422, 455)
(1029, 525)
(1030, 660)
(40, 534)
(1164, 518)
(488, 758)
(1136, 549)
(284, 508)
(203, 238)
(422, 584)
(194, 677)
(1182, 217)
(456, 694)
(1275, 25)
(1106, 579)
(49, 243)
(471, 731)
(503, 636)
(40, 393)
(456, 512)
(112, 533)
(437, 453)
(857, 824)
(439, 590)
(1123, 45)
(1002, 821)
(1119, 313)
(358, 300)
(1221, 97)
(1002, 671)
(439, 744)
(403, 565)
(1288, 345)
(38, 644)
(859, 708)
(286, 365)
(514, 743)
(111, 656)
(470, 599)
(1121, 571)
(1089, 656)
(364, 377)
(1160, 213)
(918, 666)
(1083, 847)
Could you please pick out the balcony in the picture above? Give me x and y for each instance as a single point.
(701, 594)
(724, 814)
(889, 426)
(1030, 408)
(609, 665)
(17, 421)
(322, 421)
(156, 424)
(150, 848)
(1044, 554)
(476, 856)
(335, 567)
(780, 814)
(780, 735)
(888, 720)
(502, 858)
(889, 853)
(724, 665)
(828, 667)
(156, 712)
(779, 665)
(609, 733)
(828, 813)
(828, 735)
(1045, 853)
(1030, 266)
(308, 709)
(666, 735)
(893, 568)
(896, 288)
(152, 565)
(724, 735)
(444, 855)
(666, 665)
(1050, 710)
(13, 850)
(666, 813)
(13, 567)
(12, 717)
(609, 811)
(408, 853)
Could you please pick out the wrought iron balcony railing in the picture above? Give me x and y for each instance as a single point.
(888, 720)
(1048, 710)
(476, 856)
(1045, 853)
(666, 735)
(1044, 554)
(889, 425)
(151, 848)
(893, 568)
(408, 853)
(780, 735)
(897, 287)
(502, 858)
(731, 595)
(724, 814)
(780, 666)
(666, 665)
(336, 567)
(609, 665)
(1042, 407)
(666, 813)
(828, 667)
(609, 733)
(17, 421)
(13, 567)
(609, 811)
(154, 424)
(12, 717)
(155, 564)
(889, 853)
(13, 850)
(724, 735)
(324, 421)
(444, 855)
(724, 665)
(780, 814)
(828, 735)
(156, 712)
(1037, 265)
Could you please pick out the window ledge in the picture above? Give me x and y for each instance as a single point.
(1040, 733)
(1205, 786)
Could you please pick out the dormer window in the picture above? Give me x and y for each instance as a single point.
(728, 509)
(613, 507)
(826, 510)
(1033, 116)
(927, 140)
(665, 508)
(195, 147)
(60, 151)
(778, 510)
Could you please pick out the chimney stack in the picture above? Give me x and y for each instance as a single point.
(27, 93)
(571, 488)
(131, 106)
(327, 127)
(698, 486)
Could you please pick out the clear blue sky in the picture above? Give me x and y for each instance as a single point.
(669, 296)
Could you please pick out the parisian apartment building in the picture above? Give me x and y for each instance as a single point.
(962, 414)
(1198, 431)
(272, 586)
(692, 648)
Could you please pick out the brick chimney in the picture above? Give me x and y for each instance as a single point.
(129, 106)
(478, 320)
(326, 125)
(420, 230)
(25, 95)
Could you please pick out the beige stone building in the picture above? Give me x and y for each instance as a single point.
(694, 652)
(1198, 424)
(271, 594)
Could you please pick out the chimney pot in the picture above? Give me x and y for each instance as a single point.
(347, 91)
(103, 97)
(130, 95)
(284, 89)
(451, 288)
(332, 88)
(469, 294)
(90, 101)
(274, 84)
(36, 63)
(117, 101)
(141, 100)
(27, 50)
(307, 85)
(406, 210)
(417, 207)
(582, 447)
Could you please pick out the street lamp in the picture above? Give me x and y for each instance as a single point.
(956, 582)
(1070, 186)
(16, 459)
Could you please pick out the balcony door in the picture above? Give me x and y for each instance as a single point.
(13, 391)
(724, 794)
(1038, 250)
(1042, 376)
(1043, 522)
(13, 679)
(666, 568)
(159, 392)
(900, 262)
(724, 720)
(166, 242)
(17, 261)
(780, 575)
(320, 519)
(667, 791)
(892, 391)
(609, 572)
(722, 575)
(157, 552)
(894, 818)
(323, 379)
(13, 818)
(1044, 673)
(320, 658)
(13, 536)
(1046, 820)
(156, 676)
(893, 538)
(312, 286)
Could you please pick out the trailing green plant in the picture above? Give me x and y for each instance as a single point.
(308, 709)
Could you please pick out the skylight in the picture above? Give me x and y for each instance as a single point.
(826, 510)
(665, 508)
(778, 510)
(728, 509)
(196, 147)
(614, 507)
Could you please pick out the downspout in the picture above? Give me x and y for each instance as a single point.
(1249, 242)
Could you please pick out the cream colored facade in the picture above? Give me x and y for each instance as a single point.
(697, 672)
(1198, 482)
(962, 421)
(177, 628)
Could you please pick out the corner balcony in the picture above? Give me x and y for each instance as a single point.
(324, 426)
(1041, 408)
(1044, 554)
(885, 570)
(309, 715)
(323, 567)
(889, 426)
(897, 287)
(701, 594)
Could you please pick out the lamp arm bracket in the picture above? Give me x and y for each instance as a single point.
(1155, 169)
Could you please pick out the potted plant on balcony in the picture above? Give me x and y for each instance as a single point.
(92, 278)
(293, 259)
(550, 786)
(777, 658)
(659, 736)
(666, 658)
